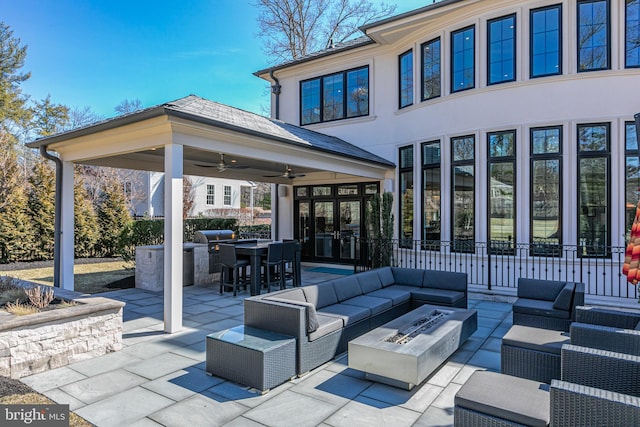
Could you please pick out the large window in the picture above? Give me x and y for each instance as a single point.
(227, 195)
(463, 58)
(594, 216)
(632, 33)
(406, 196)
(632, 179)
(546, 190)
(501, 50)
(211, 194)
(463, 193)
(501, 192)
(545, 41)
(431, 192)
(335, 96)
(593, 35)
(431, 69)
(406, 79)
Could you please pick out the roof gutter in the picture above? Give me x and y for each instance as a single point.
(276, 89)
(57, 232)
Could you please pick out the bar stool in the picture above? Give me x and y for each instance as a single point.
(289, 260)
(232, 265)
(272, 266)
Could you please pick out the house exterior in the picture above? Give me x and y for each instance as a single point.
(509, 121)
(211, 196)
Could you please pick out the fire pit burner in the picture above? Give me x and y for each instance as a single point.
(416, 328)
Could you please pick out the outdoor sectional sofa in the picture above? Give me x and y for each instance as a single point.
(324, 317)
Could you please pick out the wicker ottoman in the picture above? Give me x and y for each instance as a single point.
(253, 357)
(532, 353)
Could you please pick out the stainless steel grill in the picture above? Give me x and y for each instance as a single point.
(213, 238)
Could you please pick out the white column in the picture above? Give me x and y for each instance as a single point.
(66, 226)
(173, 156)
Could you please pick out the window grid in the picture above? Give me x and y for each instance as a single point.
(431, 69)
(227, 195)
(545, 41)
(593, 35)
(405, 79)
(501, 50)
(463, 59)
(211, 194)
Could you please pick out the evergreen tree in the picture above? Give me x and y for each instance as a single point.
(41, 208)
(85, 221)
(13, 110)
(113, 215)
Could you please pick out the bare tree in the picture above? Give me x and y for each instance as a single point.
(188, 197)
(127, 106)
(294, 28)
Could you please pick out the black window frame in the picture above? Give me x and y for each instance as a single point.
(401, 79)
(423, 46)
(633, 153)
(504, 247)
(608, 34)
(430, 244)
(345, 101)
(560, 40)
(452, 69)
(512, 16)
(405, 242)
(538, 248)
(626, 34)
(588, 251)
(461, 245)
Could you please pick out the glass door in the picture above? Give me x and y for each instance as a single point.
(325, 231)
(349, 220)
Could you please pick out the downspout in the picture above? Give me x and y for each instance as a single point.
(57, 232)
(276, 89)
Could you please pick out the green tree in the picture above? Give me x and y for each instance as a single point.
(48, 118)
(85, 220)
(113, 215)
(41, 208)
(13, 109)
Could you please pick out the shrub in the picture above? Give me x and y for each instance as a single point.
(40, 297)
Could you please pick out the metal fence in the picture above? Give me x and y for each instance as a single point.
(500, 264)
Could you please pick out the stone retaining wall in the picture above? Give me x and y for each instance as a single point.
(42, 341)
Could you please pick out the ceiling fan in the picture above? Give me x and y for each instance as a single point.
(288, 174)
(221, 165)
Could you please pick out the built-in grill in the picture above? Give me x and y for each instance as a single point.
(213, 238)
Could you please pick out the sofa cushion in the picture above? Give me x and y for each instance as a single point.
(369, 281)
(346, 287)
(565, 297)
(326, 325)
(407, 276)
(310, 311)
(503, 396)
(536, 307)
(396, 294)
(348, 313)
(320, 295)
(539, 339)
(546, 290)
(375, 304)
(290, 294)
(386, 276)
(437, 296)
(445, 280)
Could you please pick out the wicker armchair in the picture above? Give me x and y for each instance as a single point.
(605, 329)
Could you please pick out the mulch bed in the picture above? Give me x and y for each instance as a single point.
(25, 265)
(9, 386)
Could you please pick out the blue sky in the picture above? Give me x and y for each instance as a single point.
(98, 53)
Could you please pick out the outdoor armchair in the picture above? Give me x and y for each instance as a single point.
(605, 329)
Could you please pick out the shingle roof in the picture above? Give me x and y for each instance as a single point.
(202, 110)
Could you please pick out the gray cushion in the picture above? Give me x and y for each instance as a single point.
(445, 280)
(539, 308)
(437, 296)
(538, 339)
(348, 313)
(396, 294)
(346, 287)
(320, 295)
(376, 305)
(539, 289)
(565, 297)
(326, 325)
(407, 276)
(386, 276)
(369, 281)
(291, 294)
(503, 396)
(310, 311)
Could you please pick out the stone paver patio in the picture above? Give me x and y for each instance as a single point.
(160, 379)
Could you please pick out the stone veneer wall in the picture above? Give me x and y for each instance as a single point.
(42, 341)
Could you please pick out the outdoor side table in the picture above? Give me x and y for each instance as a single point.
(253, 357)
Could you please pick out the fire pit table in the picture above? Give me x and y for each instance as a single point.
(405, 351)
